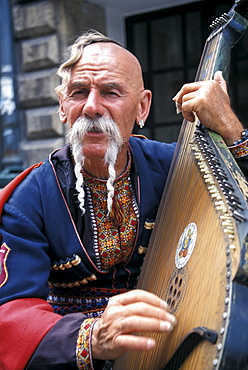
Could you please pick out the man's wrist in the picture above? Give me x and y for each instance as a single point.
(240, 147)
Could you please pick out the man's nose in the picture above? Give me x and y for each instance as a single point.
(93, 107)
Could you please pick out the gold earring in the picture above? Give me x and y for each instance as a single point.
(141, 123)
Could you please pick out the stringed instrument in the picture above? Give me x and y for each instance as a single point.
(197, 259)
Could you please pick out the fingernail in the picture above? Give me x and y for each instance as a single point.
(166, 326)
(178, 107)
(150, 343)
(164, 305)
(173, 320)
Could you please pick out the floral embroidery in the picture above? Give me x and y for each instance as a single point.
(83, 345)
(113, 242)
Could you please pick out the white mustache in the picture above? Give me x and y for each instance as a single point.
(75, 138)
(105, 125)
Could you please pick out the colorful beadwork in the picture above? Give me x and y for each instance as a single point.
(113, 243)
(88, 300)
(83, 345)
(240, 150)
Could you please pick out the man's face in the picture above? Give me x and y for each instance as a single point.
(105, 82)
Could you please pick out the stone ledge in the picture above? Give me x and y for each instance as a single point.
(42, 52)
(35, 19)
(38, 150)
(36, 89)
(43, 123)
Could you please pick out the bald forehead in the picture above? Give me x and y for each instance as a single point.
(114, 51)
(112, 55)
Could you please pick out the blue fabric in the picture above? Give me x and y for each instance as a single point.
(38, 227)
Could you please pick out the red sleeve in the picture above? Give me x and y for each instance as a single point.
(23, 324)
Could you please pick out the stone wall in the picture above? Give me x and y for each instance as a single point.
(42, 32)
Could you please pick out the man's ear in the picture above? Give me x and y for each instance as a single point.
(145, 104)
(62, 114)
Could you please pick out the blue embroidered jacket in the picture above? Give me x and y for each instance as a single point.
(44, 233)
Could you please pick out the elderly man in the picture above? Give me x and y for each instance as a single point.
(74, 229)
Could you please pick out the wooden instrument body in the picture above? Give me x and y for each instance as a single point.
(197, 259)
(203, 292)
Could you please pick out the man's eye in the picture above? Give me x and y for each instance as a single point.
(112, 93)
(79, 94)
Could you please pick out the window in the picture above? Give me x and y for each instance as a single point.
(169, 44)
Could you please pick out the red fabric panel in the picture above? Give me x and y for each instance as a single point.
(23, 324)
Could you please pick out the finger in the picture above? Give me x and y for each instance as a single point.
(186, 89)
(146, 310)
(135, 324)
(136, 296)
(180, 107)
(134, 343)
(218, 77)
(189, 116)
(189, 107)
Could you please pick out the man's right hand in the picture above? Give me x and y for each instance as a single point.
(128, 313)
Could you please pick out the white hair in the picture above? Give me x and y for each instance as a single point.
(75, 137)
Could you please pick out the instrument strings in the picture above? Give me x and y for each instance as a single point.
(176, 184)
(205, 72)
(183, 149)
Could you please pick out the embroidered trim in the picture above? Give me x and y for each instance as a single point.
(83, 351)
(112, 243)
(75, 283)
(90, 301)
(240, 150)
(244, 137)
(68, 263)
(149, 225)
(142, 250)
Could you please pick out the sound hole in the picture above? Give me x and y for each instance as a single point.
(176, 289)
